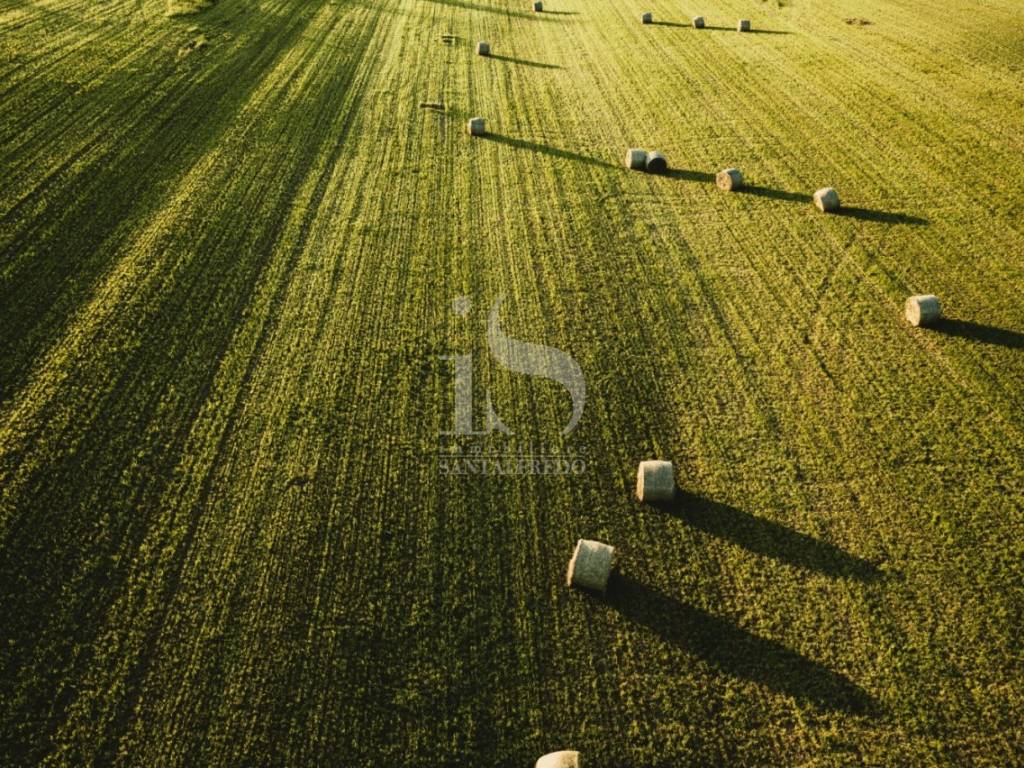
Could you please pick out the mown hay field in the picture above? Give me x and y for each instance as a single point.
(237, 256)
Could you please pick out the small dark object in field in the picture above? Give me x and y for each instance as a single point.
(483, 49)
(538, 7)
(432, 105)
(475, 126)
(858, 22)
(743, 25)
(198, 44)
(656, 163)
(298, 481)
(698, 22)
(647, 18)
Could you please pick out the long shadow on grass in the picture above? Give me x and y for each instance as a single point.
(986, 334)
(775, 194)
(768, 538)
(885, 217)
(864, 214)
(686, 175)
(734, 650)
(544, 149)
(464, 4)
(61, 551)
(669, 24)
(53, 258)
(748, 32)
(524, 62)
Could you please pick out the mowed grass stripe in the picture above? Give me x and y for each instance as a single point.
(120, 285)
(179, 383)
(50, 269)
(356, 470)
(259, 531)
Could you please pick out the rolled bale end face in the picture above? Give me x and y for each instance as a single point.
(483, 49)
(922, 310)
(564, 759)
(538, 7)
(656, 163)
(475, 126)
(730, 179)
(655, 481)
(590, 566)
(636, 159)
(826, 200)
(698, 22)
(743, 25)
(647, 18)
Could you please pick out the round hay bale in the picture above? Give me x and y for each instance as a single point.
(655, 481)
(483, 49)
(564, 759)
(538, 6)
(743, 25)
(827, 199)
(698, 22)
(636, 159)
(922, 310)
(647, 18)
(656, 162)
(729, 179)
(590, 566)
(475, 126)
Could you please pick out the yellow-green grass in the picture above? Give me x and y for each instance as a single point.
(186, 7)
(226, 283)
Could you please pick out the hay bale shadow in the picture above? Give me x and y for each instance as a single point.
(884, 217)
(863, 214)
(523, 62)
(768, 538)
(748, 32)
(544, 149)
(687, 175)
(469, 6)
(735, 651)
(775, 194)
(980, 333)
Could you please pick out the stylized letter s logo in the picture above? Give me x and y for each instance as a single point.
(537, 360)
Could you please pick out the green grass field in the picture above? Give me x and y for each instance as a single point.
(230, 243)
